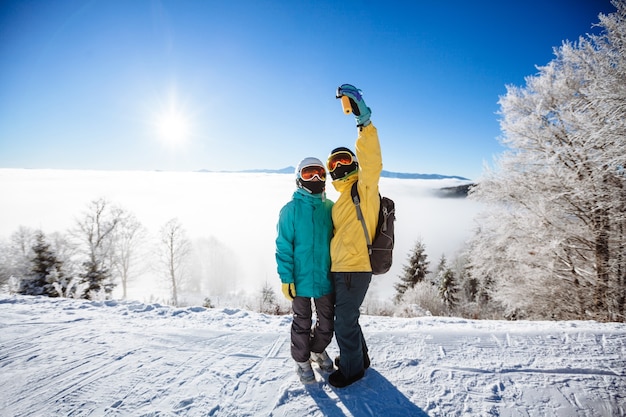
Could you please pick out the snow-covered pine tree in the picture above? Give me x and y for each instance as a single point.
(441, 267)
(448, 288)
(45, 269)
(96, 280)
(415, 271)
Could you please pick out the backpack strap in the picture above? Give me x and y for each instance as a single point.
(359, 214)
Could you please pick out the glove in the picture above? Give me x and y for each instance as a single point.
(289, 290)
(357, 105)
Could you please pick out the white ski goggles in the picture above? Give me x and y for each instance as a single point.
(309, 172)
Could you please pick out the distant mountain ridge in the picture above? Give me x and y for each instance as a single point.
(402, 175)
(385, 174)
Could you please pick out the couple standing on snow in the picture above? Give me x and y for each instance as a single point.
(322, 253)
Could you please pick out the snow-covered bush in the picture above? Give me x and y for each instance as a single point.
(421, 300)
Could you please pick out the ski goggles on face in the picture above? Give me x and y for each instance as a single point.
(339, 158)
(307, 173)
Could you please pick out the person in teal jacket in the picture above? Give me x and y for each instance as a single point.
(305, 229)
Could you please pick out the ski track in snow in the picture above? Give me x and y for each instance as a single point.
(61, 357)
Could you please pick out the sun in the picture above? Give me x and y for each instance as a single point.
(173, 127)
(171, 121)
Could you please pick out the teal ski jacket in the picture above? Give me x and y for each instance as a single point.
(305, 228)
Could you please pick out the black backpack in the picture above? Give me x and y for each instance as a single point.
(381, 248)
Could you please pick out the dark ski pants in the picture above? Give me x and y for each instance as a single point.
(350, 290)
(305, 339)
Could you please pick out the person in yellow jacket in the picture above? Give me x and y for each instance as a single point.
(350, 264)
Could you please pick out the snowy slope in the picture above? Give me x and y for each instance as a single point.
(62, 357)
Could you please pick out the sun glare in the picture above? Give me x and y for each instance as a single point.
(172, 120)
(173, 128)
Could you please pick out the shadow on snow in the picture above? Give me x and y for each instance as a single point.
(373, 395)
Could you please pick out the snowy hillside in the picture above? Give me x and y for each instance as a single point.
(63, 357)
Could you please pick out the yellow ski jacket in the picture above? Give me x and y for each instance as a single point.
(348, 248)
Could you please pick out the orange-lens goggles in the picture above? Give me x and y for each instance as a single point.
(309, 172)
(339, 158)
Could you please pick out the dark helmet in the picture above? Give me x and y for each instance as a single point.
(341, 163)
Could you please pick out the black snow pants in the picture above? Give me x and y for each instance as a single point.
(304, 338)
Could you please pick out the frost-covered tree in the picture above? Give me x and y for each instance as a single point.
(16, 257)
(45, 270)
(267, 299)
(414, 271)
(174, 251)
(18, 254)
(208, 303)
(67, 253)
(128, 237)
(5, 271)
(212, 260)
(552, 239)
(95, 232)
(268, 302)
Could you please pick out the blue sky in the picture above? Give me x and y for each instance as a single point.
(234, 85)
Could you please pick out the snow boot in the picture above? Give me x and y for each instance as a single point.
(324, 362)
(305, 372)
(338, 380)
(366, 361)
